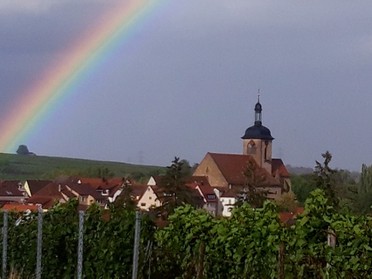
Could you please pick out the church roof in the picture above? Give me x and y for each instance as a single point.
(257, 132)
(278, 167)
(232, 167)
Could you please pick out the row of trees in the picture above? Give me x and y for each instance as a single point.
(342, 188)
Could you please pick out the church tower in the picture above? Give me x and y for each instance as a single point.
(257, 141)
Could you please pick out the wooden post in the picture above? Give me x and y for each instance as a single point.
(281, 270)
(200, 265)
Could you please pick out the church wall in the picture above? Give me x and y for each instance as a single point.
(259, 154)
(208, 167)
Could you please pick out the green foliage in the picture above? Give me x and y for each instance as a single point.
(100, 172)
(125, 200)
(339, 185)
(108, 242)
(184, 242)
(325, 179)
(365, 183)
(364, 197)
(253, 243)
(302, 186)
(287, 202)
(173, 191)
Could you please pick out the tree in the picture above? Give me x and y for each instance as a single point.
(287, 202)
(23, 150)
(364, 197)
(365, 183)
(126, 199)
(303, 185)
(253, 191)
(173, 190)
(325, 176)
(186, 169)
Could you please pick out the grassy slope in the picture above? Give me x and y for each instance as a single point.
(13, 166)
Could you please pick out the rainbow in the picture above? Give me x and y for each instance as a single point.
(61, 77)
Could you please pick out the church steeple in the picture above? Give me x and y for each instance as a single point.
(258, 113)
(257, 140)
(258, 131)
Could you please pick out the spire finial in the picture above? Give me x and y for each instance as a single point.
(258, 95)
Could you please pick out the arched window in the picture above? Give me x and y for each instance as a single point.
(251, 148)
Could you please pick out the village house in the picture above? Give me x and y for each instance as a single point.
(202, 194)
(33, 186)
(49, 195)
(149, 198)
(12, 191)
(206, 193)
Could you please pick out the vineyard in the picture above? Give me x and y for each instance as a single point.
(253, 243)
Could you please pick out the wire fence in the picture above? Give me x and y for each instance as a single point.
(80, 248)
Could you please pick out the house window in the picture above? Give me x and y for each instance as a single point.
(150, 198)
(211, 197)
(143, 204)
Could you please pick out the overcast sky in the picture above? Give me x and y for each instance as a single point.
(186, 82)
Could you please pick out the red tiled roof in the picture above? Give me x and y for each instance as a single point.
(45, 201)
(278, 167)
(199, 180)
(158, 179)
(85, 190)
(102, 184)
(138, 189)
(51, 190)
(206, 189)
(201, 183)
(10, 188)
(94, 182)
(289, 217)
(68, 193)
(232, 167)
(37, 185)
(17, 207)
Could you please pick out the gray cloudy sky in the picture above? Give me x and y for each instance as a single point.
(186, 82)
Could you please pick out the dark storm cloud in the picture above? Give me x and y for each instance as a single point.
(186, 82)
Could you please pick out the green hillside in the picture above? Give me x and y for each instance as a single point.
(14, 166)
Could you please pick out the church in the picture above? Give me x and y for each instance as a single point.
(226, 173)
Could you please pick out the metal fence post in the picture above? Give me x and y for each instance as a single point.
(39, 242)
(80, 245)
(137, 234)
(5, 244)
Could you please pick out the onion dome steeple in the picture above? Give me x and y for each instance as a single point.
(258, 131)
